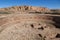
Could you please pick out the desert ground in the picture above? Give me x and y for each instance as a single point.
(29, 23)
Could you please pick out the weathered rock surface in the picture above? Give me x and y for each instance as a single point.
(27, 23)
(24, 8)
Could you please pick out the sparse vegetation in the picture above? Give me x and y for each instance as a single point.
(4, 13)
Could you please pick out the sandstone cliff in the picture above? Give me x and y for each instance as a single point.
(24, 8)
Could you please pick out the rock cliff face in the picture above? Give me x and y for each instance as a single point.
(24, 8)
(29, 23)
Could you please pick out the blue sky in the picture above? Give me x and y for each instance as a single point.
(54, 4)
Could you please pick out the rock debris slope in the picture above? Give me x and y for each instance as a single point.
(29, 23)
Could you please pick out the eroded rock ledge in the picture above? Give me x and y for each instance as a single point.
(27, 25)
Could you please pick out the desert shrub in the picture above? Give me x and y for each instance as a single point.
(4, 13)
(54, 13)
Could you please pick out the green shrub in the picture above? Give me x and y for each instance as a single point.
(4, 13)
